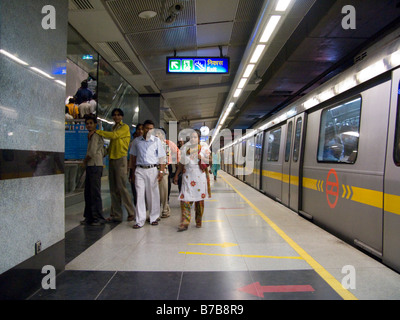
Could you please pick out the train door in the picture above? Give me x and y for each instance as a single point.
(391, 220)
(295, 163)
(242, 166)
(232, 166)
(250, 161)
(257, 161)
(236, 152)
(286, 164)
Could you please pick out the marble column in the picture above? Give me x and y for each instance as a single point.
(33, 47)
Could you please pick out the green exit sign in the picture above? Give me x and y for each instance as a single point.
(205, 65)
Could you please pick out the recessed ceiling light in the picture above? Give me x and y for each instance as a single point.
(147, 14)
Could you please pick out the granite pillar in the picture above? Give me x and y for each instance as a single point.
(33, 47)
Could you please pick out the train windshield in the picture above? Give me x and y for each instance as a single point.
(340, 132)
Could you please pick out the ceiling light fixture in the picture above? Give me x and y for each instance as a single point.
(270, 28)
(242, 83)
(249, 70)
(272, 16)
(238, 92)
(148, 14)
(282, 5)
(257, 53)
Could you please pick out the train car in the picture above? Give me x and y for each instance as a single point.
(333, 156)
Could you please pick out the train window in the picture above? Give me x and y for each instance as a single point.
(274, 143)
(296, 146)
(397, 139)
(288, 141)
(340, 132)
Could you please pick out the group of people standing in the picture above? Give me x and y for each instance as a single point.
(151, 163)
(83, 103)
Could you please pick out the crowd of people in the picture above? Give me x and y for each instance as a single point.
(83, 103)
(154, 164)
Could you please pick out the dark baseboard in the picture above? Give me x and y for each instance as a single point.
(25, 279)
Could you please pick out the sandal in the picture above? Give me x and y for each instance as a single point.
(180, 229)
(136, 226)
(154, 223)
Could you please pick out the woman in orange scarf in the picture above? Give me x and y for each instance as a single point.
(195, 179)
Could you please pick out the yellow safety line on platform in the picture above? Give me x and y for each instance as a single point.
(335, 284)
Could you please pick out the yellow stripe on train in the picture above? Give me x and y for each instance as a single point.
(390, 202)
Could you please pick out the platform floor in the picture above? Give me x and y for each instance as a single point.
(249, 248)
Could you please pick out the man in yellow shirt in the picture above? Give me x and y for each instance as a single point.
(119, 137)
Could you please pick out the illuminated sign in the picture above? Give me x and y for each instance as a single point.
(205, 65)
(60, 68)
(87, 57)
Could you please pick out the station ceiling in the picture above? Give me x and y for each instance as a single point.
(310, 47)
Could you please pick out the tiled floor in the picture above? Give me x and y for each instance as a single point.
(250, 247)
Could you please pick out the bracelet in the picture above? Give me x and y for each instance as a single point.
(161, 171)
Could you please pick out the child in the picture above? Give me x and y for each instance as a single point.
(94, 170)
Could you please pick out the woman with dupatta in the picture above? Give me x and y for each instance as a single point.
(195, 179)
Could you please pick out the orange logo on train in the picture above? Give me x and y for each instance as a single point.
(332, 188)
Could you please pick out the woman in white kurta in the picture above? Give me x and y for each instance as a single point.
(195, 182)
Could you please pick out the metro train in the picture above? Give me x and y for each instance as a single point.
(333, 156)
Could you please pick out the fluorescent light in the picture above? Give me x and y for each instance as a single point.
(242, 83)
(238, 92)
(13, 57)
(257, 53)
(269, 29)
(282, 5)
(224, 118)
(231, 106)
(248, 71)
(42, 72)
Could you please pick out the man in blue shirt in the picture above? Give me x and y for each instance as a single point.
(83, 94)
(147, 153)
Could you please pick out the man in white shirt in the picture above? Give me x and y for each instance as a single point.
(147, 153)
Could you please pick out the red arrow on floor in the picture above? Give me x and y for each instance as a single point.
(258, 290)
